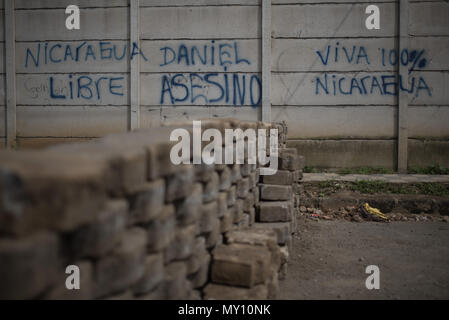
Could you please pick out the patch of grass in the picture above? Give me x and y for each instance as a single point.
(367, 186)
(365, 170)
(435, 169)
(326, 184)
(311, 170)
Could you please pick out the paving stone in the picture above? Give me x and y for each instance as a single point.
(209, 214)
(194, 295)
(282, 230)
(182, 245)
(246, 169)
(242, 188)
(257, 237)
(100, 236)
(253, 179)
(275, 192)
(46, 190)
(211, 188)
(128, 160)
(232, 196)
(157, 145)
(188, 209)
(161, 231)
(227, 220)
(213, 237)
(124, 266)
(225, 179)
(248, 203)
(274, 211)
(200, 278)
(240, 265)
(146, 204)
(289, 159)
(158, 293)
(179, 185)
(60, 292)
(222, 204)
(235, 173)
(153, 274)
(204, 172)
(28, 266)
(238, 211)
(194, 262)
(175, 280)
(281, 177)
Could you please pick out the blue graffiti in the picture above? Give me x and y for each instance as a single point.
(46, 53)
(236, 89)
(408, 58)
(369, 84)
(86, 87)
(382, 84)
(213, 54)
(356, 54)
(228, 88)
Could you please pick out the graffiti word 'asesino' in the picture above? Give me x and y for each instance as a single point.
(227, 88)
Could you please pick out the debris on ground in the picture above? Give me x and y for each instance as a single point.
(370, 213)
(355, 214)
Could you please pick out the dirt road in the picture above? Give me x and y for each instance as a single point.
(329, 258)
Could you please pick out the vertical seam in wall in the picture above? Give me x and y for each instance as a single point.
(134, 40)
(10, 74)
(403, 96)
(266, 60)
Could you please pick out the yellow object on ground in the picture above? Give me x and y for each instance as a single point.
(374, 211)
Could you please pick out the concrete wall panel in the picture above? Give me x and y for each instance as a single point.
(372, 122)
(347, 153)
(429, 122)
(30, 4)
(49, 24)
(424, 153)
(429, 19)
(330, 21)
(70, 121)
(214, 22)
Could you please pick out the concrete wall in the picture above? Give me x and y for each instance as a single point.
(343, 124)
(333, 80)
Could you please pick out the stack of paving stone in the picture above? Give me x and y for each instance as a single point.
(136, 225)
(245, 267)
(279, 198)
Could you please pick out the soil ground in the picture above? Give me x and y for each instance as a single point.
(328, 260)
